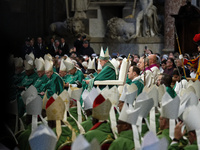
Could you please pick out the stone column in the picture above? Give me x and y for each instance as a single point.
(171, 7)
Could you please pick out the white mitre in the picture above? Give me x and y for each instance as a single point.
(29, 61)
(39, 64)
(43, 138)
(48, 65)
(62, 65)
(69, 64)
(99, 67)
(91, 63)
(48, 57)
(18, 61)
(104, 55)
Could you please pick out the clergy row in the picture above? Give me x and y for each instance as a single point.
(112, 118)
(117, 116)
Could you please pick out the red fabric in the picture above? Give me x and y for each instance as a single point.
(98, 100)
(105, 146)
(49, 102)
(97, 125)
(66, 147)
(196, 37)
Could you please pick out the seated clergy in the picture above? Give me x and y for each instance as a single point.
(146, 73)
(55, 109)
(74, 74)
(42, 78)
(125, 140)
(107, 72)
(134, 76)
(55, 83)
(88, 99)
(76, 117)
(192, 122)
(101, 129)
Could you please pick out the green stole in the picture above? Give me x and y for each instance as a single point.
(140, 85)
(171, 92)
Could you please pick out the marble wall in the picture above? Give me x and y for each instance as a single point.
(171, 7)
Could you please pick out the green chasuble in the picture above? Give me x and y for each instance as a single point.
(23, 142)
(171, 92)
(164, 133)
(72, 78)
(123, 142)
(19, 77)
(29, 80)
(74, 113)
(107, 73)
(26, 82)
(87, 124)
(84, 85)
(65, 77)
(40, 83)
(54, 85)
(65, 136)
(179, 146)
(101, 133)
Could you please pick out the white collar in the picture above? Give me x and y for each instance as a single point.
(136, 78)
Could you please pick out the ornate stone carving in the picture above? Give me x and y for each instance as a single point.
(79, 7)
(147, 24)
(144, 23)
(70, 26)
(119, 29)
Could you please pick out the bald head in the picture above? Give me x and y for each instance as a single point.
(152, 59)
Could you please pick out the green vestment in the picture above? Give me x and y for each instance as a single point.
(140, 85)
(123, 142)
(65, 136)
(74, 113)
(29, 80)
(54, 85)
(107, 73)
(178, 146)
(164, 133)
(40, 83)
(101, 133)
(171, 92)
(19, 77)
(64, 78)
(78, 76)
(87, 124)
(23, 142)
(26, 82)
(128, 81)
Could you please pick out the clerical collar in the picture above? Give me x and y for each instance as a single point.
(136, 78)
